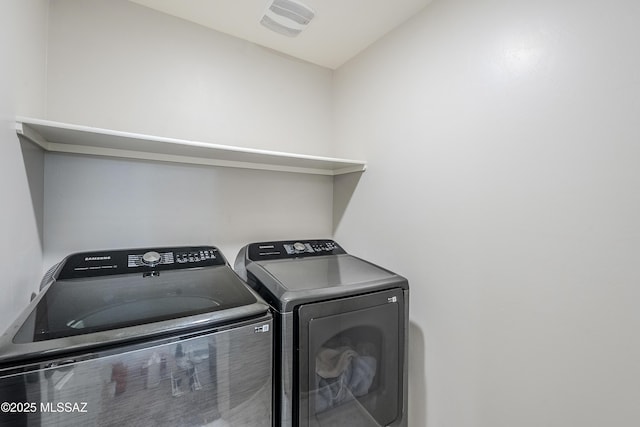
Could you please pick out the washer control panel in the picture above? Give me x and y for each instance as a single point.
(106, 263)
(150, 259)
(189, 257)
(293, 249)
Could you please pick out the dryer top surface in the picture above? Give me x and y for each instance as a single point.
(323, 272)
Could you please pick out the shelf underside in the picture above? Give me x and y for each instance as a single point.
(68, 138)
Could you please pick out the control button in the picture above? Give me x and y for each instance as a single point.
(299, 246)
(151, 258)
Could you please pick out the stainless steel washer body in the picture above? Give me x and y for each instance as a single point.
(145, 337)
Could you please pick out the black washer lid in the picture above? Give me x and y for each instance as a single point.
(81, 306)
(107, 290)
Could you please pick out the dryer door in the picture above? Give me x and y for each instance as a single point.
(350, 361)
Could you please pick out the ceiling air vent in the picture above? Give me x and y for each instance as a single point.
(287, 17)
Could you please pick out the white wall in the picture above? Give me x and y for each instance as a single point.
(23, 26)
(503, 146)
(115, 64)
(118, 65)
(95, 203)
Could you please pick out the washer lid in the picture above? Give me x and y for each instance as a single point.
(97, 304)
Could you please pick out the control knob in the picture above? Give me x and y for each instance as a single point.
(298, 246)
(151, 258)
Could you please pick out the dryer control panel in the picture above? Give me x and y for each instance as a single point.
(293, 249)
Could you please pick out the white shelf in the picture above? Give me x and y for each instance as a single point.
(69, 138)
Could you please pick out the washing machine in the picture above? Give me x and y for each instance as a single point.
(341, 333)
(140, 337)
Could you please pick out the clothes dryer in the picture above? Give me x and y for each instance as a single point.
(341, 333)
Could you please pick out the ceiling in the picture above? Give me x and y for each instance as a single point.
(340, 30)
